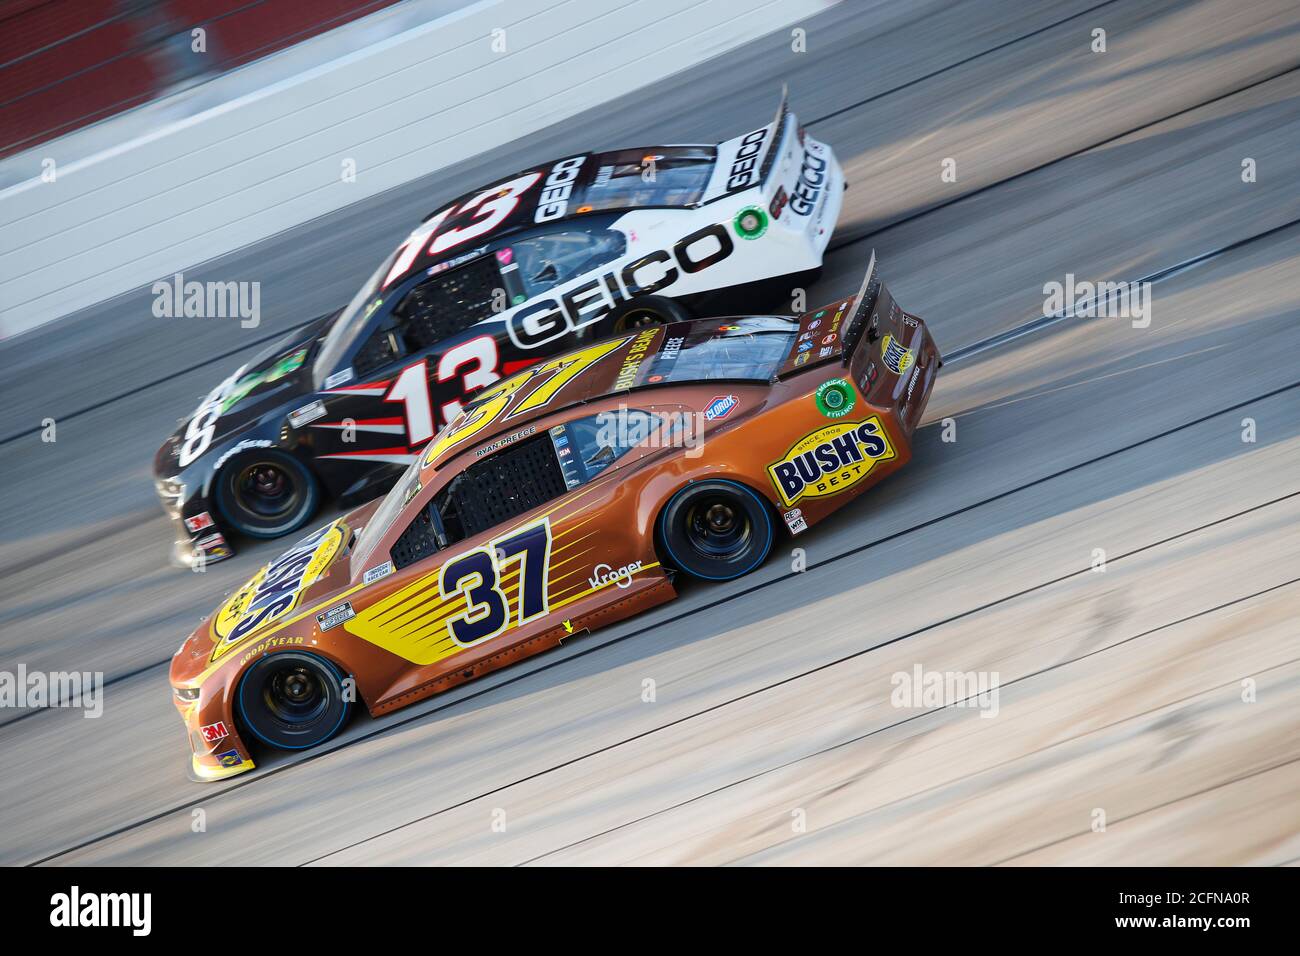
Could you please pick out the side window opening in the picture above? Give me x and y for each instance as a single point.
(545, 261)
(521, 477)
(515, 480)
(587, 446)
(443, 305)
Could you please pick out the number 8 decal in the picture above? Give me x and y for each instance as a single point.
(478, 575)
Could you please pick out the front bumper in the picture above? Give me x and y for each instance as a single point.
(196, 533)
(225, 755)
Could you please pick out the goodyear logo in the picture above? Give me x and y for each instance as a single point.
(830, 460)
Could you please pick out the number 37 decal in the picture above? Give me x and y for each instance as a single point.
(522, 558)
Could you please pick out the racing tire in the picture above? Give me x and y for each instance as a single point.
(643, 312)
(267, 494)
(716, 530)
(291, 700)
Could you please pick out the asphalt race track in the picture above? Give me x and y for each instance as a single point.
(1121, 689)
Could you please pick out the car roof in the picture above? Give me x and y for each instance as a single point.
(634, 361)
(555, 193)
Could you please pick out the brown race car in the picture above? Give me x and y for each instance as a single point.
(562, 499)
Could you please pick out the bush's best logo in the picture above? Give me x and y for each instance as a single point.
(898, 359)
(830, 460)
(275, 589)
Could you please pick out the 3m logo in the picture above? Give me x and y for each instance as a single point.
(830, 460)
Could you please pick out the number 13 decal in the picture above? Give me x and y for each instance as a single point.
(473, 362)
(478, 576)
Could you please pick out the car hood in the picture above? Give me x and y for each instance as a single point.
(279, 591)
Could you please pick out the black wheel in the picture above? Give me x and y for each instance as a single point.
(643, 312)
(267, 494)
(291, 700)
(716, 529)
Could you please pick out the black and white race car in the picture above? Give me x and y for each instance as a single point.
(503, 277)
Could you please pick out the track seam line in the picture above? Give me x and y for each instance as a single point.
(946, 707)
(1159, 806)
(911, 217)
(547, 665)
(827, 666)
(953, 66)
(1160, 275)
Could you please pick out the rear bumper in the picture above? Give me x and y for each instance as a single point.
(912, 391)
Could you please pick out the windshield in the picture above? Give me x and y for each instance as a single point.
(350, 322)
(662, 176)
(750, 349)
(407, 487)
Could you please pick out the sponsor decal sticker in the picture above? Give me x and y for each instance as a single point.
(750, 222)
(794, 520)
(830, 460)
(377, 573)
(898, 359)
(214, 732)
(912, 384)
(505, 440)
(869, 377)
(230, 758)
(198, 522)
(335, 616)
(208, 542)
(603, 575)
(244, 445)
(341, 377)
(778, 202)
(308, 413)
(835, 398)
(801, 358)
(266, 646)
(720, 407)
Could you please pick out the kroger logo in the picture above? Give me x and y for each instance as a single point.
(603, 574)
(720, 407)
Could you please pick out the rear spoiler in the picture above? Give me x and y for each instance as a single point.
(863, 303)
(777, 140)
(832, 332)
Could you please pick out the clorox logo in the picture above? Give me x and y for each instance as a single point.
(720, 407)
(830, 460)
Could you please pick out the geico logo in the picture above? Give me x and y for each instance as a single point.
(742, 167)
(554, 315)
(830, 460)
(554, 200)
(811, 176)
